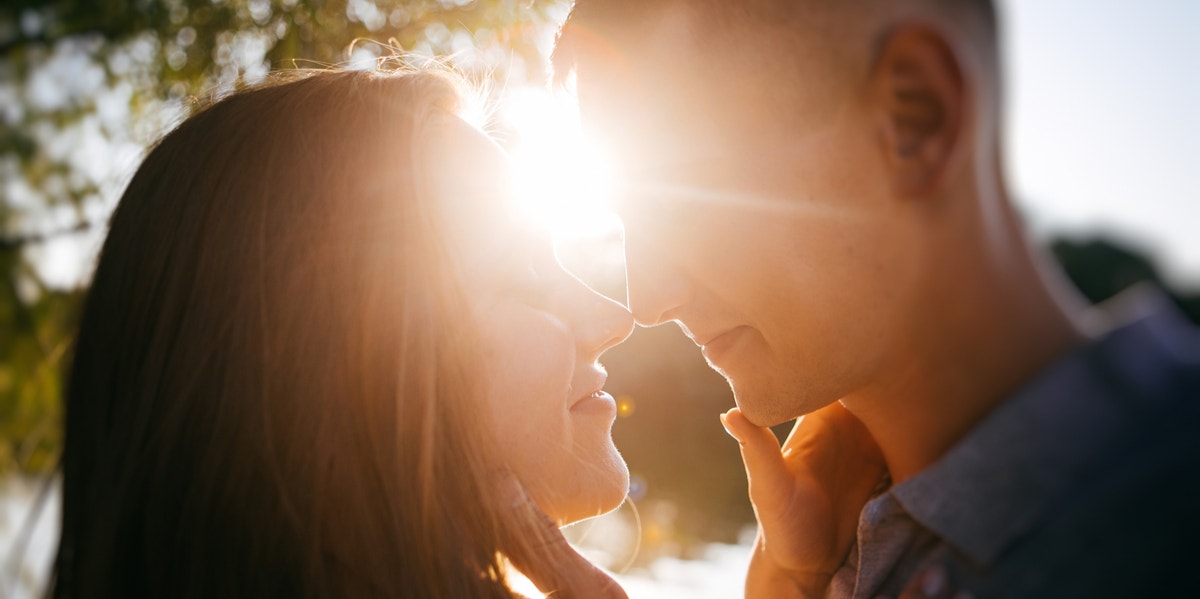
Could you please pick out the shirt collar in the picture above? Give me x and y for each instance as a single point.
(995, 484)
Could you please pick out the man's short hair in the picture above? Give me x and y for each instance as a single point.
(616, 19)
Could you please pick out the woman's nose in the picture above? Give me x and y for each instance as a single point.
(601, 323)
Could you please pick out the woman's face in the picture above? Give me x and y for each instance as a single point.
(541, 331)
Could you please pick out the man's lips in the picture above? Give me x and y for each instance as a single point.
(705, 338)
(717, 345)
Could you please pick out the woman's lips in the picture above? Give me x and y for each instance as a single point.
(599, 403)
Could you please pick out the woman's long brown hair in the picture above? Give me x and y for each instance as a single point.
(269, 393)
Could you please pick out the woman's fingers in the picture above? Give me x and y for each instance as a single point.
(838, 424)
(808, 493)
(770, 482)
(543, 553)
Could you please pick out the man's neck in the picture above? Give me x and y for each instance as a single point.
(990, 336)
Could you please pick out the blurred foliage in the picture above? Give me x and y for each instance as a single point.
(33, 338)
(86, 85)
(1102, 269)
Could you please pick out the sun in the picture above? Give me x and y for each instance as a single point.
(564, 182)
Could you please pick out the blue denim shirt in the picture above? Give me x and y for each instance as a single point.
(1082, 484)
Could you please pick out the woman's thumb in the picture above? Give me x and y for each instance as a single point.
(769, 480)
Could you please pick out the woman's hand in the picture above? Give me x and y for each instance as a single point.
(544, 555)
(807, 496)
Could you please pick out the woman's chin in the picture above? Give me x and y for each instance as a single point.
(602, 490)
(610, 496)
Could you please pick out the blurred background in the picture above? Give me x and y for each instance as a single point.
(1102, 147)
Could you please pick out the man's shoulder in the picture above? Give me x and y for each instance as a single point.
(1155, 466)
(1084, 482)
(1128, 530)
(1117, 464)
(1128, 524)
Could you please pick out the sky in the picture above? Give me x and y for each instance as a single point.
(1103, 129)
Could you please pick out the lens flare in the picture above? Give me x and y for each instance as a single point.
(563, 180)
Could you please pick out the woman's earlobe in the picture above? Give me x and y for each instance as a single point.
(920, 94)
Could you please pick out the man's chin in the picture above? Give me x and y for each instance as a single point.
(764, 407)
(763, 418)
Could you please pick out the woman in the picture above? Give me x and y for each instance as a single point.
(318, 358)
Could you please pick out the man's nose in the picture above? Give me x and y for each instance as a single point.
(656, 287)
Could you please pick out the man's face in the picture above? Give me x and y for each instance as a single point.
(757, 214)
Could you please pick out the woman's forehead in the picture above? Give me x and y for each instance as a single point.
(472, 184)
(469, 175)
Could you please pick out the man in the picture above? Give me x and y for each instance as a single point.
(813, 191)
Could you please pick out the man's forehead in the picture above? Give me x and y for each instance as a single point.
(694, 30)
(626, 80)
(676, 106)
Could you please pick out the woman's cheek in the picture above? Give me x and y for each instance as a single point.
(571, 473)
(530, 366)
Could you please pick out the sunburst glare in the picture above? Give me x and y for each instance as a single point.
(564, 182)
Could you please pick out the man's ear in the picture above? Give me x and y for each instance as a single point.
(921, 96)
